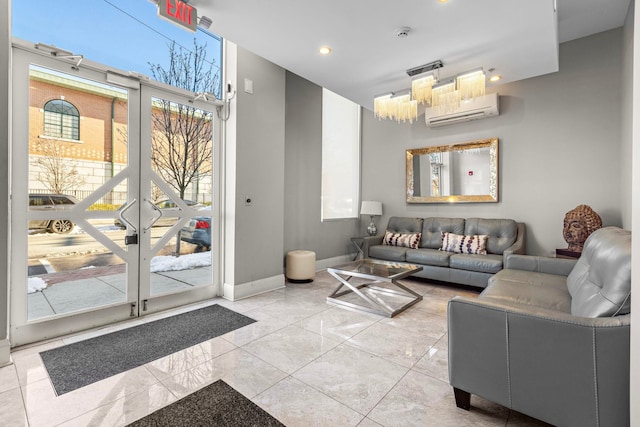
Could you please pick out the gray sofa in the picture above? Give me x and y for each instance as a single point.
(550, 337)
(506, 236)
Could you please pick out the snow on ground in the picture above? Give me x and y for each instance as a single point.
(158, 264)
(35, 284)
(183, 262)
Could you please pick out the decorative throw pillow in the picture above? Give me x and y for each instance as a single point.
(476, 244)
(407, 240)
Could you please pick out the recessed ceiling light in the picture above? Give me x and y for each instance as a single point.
(495, 78)
(442, 1)
(325, 50)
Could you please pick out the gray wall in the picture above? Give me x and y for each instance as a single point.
(259, 169)
(5, 18)
(303, 177)
(626, 117)
(560, 146)
(632, 59)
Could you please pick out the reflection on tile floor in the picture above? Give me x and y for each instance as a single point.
(304, 361)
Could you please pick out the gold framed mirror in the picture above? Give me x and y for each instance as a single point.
(458, 173)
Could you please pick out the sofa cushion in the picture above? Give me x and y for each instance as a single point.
(472, 262)
(502, 232)
(407, 240)
(542, 290)
(401, 224)
(429, 257)
(390, 253)
(529, 277)
(600, 282)
(433, 227)
(464, 244)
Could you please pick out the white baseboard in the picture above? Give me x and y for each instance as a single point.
(5, 352)
(249, 289)
(330, 262)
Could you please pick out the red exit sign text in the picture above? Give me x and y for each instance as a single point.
(179, 13)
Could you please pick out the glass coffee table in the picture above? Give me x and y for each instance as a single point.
(381, 296)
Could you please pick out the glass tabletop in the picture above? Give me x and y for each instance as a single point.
(369, 268)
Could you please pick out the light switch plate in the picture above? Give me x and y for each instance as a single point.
(248, 86)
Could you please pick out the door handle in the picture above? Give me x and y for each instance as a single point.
(155, 208)
(122, 218)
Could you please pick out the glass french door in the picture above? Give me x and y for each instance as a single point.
(113, 196)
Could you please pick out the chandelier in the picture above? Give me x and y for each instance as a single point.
(400, 108)
(442, 94)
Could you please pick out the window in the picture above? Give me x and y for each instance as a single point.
(39, 201)
(61, 120)
(141, 41)
(63, 200)
(340, 157)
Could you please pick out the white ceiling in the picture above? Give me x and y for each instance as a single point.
(519, 39)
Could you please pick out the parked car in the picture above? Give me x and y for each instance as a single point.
(51, 202)
(198, 232)
(169, 210)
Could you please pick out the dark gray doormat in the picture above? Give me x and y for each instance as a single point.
(85, 362)
(217, 404)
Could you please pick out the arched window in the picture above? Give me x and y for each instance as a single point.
(61, 120)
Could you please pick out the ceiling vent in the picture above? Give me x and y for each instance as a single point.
(425, 68)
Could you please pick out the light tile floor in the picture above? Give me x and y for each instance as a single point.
(305, 362)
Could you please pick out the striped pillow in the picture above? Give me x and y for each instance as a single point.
(407, 240)
(476, 244)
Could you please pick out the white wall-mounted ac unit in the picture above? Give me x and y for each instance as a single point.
(474, 109)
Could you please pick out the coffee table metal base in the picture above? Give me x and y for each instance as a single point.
(378, 299)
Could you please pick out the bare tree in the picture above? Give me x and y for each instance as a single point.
(181, 146)
(181, 142)
(56, 171)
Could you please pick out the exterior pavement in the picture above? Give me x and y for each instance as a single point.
(93, 287)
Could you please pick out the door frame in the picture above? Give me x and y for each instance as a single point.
(22, 330)
(150, 90)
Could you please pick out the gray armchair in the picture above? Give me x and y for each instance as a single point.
(550, 337)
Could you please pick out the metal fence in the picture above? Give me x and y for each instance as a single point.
(116, 198)
(112, 198)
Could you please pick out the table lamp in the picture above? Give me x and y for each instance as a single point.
(372, 209)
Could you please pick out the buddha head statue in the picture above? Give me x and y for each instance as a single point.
(579, 223)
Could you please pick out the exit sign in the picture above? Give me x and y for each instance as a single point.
(179, 12)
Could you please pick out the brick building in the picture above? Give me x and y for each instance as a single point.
(83, 126)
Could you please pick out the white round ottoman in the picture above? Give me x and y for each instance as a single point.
(300, 266)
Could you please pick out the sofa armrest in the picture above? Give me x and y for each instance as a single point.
(371, 241)
(519, 246)
(544, 313)
(562, 369)
(540, 264)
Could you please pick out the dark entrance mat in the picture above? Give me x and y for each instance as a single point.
(79, 364)
(217, 404)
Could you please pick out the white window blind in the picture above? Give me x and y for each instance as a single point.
(340, 157)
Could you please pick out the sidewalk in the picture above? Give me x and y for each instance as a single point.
(94, 287)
